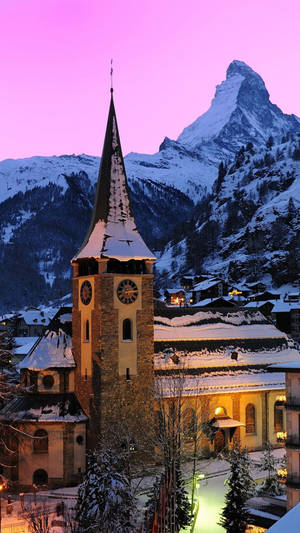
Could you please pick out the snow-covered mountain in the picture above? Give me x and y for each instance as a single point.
(45, 202)
(249, 227)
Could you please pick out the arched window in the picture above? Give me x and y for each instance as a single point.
(40, 442)
(278, 416)
(250, 418)
(127, 330)
(40, 477)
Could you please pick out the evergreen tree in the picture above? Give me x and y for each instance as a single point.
(105, 498)
(271, 484)
(235, 516)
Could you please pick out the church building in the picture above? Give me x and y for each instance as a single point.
(95, 370)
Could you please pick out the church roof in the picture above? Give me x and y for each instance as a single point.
(112, 232)
(54, 348)
(44, 408)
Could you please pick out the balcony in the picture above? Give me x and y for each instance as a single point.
(293, 481)
(293, 441)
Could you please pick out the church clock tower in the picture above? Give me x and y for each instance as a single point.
(113, 304)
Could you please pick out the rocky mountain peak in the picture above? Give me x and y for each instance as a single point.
(240, 112)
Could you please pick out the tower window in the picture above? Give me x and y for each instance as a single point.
(250, 418)
(87, 331)
(127, 329)
(127, 374)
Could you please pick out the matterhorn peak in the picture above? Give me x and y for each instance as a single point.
(240, 112)
(239, 67)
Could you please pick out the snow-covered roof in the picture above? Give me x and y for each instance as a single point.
(25, 347)
(260, 303)
(285, 307)
(215, 331)
(291, 366)
(113, 231)
(208, 359)
(208, 301)
(175, 291)
(33, 316)
(54, 350)
(221, 382)
(45, 408)
(206, 284)
(289, 522)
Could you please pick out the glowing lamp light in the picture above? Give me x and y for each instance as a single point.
(2, 486)
(282, 473)
(201, 475)
(235, 292)
(281, 436)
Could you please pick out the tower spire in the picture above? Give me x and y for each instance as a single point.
(112, 232)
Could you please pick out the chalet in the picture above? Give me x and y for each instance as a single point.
(264, 296)
(265, 307)
(210, 288)
(224, 302)
(187, 282)
(175, 296)
(256, 286)
(286, 315)
(32, 322)
(292, 297)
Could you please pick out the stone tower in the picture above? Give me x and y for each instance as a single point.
(113, 304)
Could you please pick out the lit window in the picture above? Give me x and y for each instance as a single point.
(250, 418)
(127, 330)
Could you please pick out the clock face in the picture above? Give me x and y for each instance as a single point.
(86, 292)
(127, 291)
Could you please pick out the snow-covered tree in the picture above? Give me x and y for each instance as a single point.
(106, 501)
(271, 485)
(234, 516)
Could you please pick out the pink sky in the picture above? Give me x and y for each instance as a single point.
(168, 57)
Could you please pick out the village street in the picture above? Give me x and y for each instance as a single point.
(210, 489)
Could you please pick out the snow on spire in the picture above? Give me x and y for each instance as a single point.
(112, 231)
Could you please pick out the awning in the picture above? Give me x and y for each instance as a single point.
(227, 423)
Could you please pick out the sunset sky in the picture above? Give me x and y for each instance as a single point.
(168, 57)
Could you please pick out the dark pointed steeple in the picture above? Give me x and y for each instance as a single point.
(112, 232)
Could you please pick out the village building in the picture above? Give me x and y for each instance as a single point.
(286, 316)
(292, 436)
(175, 296)
(97, 371)
(31, 323)
(223, 357)
(209, 288)
(49, 440)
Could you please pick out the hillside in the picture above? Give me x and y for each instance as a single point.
(237, 218)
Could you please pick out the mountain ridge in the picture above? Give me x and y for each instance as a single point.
(187, 189)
